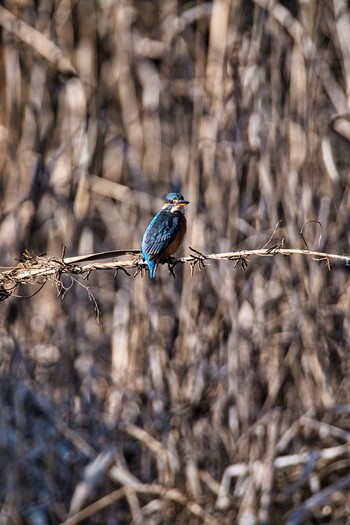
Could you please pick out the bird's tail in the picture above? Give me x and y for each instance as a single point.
(152, 266)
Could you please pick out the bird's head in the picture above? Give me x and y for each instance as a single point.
(174, 202)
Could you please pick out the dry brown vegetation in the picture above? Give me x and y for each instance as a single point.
(217, 398)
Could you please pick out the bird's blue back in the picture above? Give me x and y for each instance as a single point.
(161, 231)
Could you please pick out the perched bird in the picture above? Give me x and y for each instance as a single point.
(165, 232)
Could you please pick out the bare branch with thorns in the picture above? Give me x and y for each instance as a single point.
(38, 269)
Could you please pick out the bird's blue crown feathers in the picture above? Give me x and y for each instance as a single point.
(174, 197)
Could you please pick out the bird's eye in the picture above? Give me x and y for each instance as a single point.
(171, 201)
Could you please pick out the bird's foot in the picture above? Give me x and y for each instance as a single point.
(170, 261)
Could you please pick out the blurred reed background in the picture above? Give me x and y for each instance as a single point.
(243, 106)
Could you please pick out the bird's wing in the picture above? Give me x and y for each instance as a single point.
(161, 231)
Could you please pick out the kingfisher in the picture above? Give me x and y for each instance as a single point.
(165, 232)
